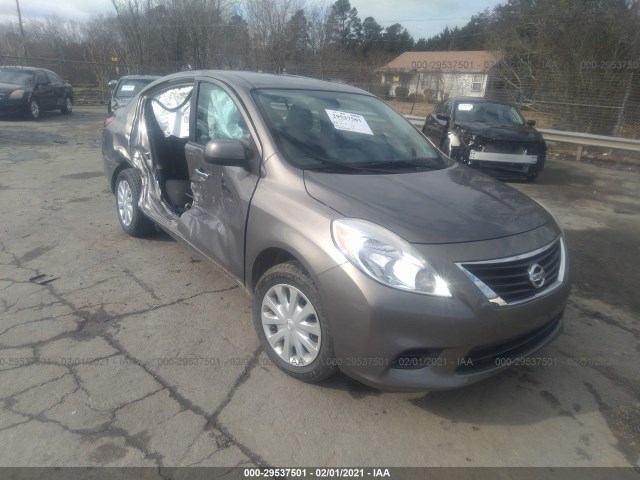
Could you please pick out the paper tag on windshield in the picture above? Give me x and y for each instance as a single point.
(128, 88)
(465, 107)
(349, 122)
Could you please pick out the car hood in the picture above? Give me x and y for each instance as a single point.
(445, 206)
(510, 133)
(10, 87)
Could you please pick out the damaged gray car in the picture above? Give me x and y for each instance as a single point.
(365, 249)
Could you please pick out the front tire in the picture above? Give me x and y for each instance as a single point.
(291, 323)
(67, 108)
(132, 220)
(33, 110)
(447, 150)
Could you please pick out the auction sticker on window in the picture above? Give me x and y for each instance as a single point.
(465, 107)
(128, 88)
(349, 122)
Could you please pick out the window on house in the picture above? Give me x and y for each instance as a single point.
(478, 80)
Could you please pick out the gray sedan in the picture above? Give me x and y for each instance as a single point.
(365, 249)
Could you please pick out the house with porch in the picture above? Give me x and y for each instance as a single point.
(438, 75)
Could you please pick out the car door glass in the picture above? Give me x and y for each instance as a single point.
(218, 117)
(41, 78)
(53, 78)
(171, 109)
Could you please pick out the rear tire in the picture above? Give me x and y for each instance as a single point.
(132, 220)
(288, 308)
(67, 108)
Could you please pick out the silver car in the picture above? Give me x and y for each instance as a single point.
(365, 248)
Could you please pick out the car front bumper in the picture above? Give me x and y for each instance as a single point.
(457, 341)
(13, 105)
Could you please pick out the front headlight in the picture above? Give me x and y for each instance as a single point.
(386, 257)
(17, 94)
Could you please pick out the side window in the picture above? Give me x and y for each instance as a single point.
(478, 81)
(53, 78)
(218, 117)
(171, 109)
(445, 107)
(41, 78)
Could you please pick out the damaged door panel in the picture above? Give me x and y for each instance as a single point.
(215, 223)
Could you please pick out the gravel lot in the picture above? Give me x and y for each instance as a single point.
(99, 333)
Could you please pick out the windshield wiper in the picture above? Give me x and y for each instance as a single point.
(311, 153)
(430, 163)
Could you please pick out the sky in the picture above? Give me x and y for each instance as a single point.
(423, 18)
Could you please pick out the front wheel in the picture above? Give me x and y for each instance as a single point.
(68, 106)
(448, 151)
(132, 220)
(33, 110)
(291, 323)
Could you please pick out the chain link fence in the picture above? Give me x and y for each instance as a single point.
(596, 98)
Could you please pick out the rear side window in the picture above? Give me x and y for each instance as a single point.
(171, 109)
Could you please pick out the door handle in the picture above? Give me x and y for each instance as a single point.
(202, 174)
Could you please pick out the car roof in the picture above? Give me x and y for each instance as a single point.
(478, 100)
(27, 69)
(139, 77)
(252, 80)
(19, 67)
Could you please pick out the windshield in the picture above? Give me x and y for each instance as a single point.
(130, 88)
(19, 77)
(330, 130)
(493, 113)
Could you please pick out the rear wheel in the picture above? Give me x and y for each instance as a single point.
(68, 106)
(132, 220)
(291, 323)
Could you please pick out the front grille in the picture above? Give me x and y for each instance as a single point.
(487, 358)
(511, 147)
(502, 167)
(508, 280)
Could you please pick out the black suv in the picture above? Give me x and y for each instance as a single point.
(31, 91)
(487, 134)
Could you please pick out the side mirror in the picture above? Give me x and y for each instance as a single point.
(531, 123)
(112, 84)
(442, 116)
(231, 153)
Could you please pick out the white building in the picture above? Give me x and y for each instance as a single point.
(439, 75)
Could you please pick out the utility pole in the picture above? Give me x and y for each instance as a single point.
(24, 41)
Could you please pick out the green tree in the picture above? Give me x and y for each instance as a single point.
(396, 39)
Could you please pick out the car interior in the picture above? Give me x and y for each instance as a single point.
(167, 121)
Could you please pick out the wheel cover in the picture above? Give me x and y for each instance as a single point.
(125, 203)
(69, 104)
(35, 109)
(291, 325)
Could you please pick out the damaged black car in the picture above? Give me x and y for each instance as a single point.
(487, 134)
